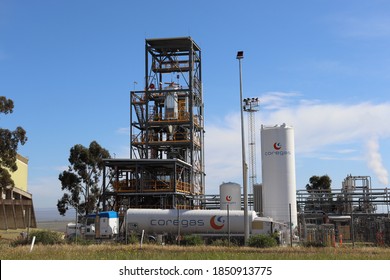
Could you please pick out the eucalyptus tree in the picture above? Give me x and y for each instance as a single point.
(9, 143)
(80, 182)
(320, 191)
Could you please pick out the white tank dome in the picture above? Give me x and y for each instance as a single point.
(230, 194)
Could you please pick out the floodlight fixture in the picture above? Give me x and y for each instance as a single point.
(240, 54)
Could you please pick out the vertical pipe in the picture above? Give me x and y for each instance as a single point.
(191, 111)
(228, 222)
(126, 236)
(104, 189)
(178, 226)
(29, 221)
(202, 121)
(387, 203)
(146, 124)
(131, 125)
(353, 231)
(289, 211)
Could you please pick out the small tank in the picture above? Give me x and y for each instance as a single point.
(171, 103)
(230, 194)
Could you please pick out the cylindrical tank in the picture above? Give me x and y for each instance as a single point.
(171, 103)
(230, 194)
(173, 221)
(278, 172)
(349, 184)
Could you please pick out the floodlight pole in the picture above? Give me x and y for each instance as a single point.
(240, 55)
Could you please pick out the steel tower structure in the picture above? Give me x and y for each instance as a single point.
(251, 106)
(166, 166)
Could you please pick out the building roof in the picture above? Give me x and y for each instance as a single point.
(173, 44)
(22, 158)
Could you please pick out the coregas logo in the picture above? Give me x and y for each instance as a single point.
(277, 150)
(228, 198)
(217, 223)
(175, 222)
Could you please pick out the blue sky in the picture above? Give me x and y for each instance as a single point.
(321, 66)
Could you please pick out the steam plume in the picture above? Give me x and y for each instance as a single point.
(375, 161)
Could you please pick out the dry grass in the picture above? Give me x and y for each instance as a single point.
(154, 252)
(115, 251)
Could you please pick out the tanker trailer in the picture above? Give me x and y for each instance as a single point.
(202, 222)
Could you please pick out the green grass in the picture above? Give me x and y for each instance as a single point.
(155, 252)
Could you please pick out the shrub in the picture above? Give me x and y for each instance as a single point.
(133, 238)
(219, 242)
(262, 241)
(316, 244)
(46, 237)
(224, 242)
(18, 242)
(192, 240)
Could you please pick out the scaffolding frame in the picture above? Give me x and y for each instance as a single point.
(251, 106)
(166, 131)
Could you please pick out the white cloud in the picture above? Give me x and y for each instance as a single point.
(346, 151)
(276, 100)
(222, 152)
(320, 125)
(324, 131)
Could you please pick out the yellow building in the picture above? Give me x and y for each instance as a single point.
(20, 175)
(16, 204)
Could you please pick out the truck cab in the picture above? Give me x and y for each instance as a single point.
(74, 230)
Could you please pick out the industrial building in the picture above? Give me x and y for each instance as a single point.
(16, 204)
(356, 212)
(166, 167)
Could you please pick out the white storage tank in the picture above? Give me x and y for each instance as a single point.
(278, 172)
(172, 221)
(230, 194)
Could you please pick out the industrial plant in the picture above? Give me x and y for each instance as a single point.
(159, 190)
(166, 166)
